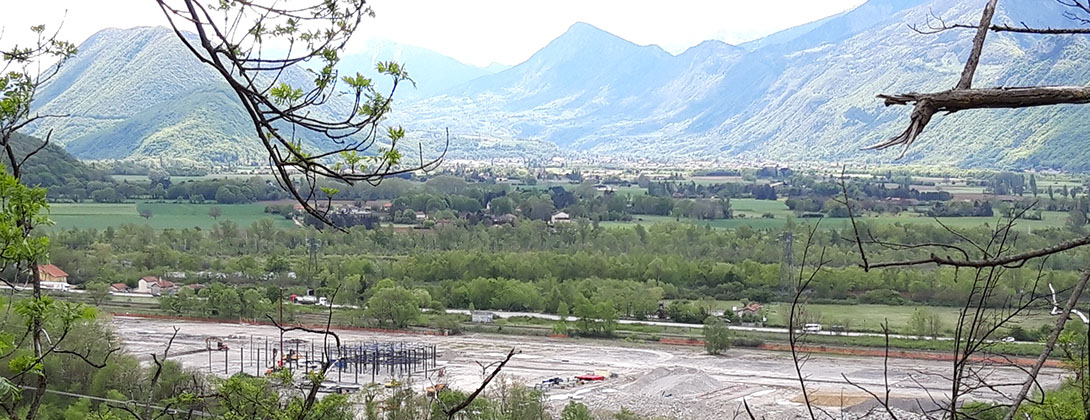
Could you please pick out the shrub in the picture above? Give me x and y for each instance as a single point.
(883, 297)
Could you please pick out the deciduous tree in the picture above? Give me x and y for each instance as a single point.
(716, 335)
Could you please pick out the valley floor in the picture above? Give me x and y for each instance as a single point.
(677, 382)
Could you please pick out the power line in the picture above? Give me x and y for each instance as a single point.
(111, 400)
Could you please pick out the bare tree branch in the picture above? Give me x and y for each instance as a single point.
(469, 400)
(1058, 328)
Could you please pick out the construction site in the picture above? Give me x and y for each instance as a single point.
(347, 363)
(652, 379)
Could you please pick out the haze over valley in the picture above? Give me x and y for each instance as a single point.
(566, 210)
(805, 94)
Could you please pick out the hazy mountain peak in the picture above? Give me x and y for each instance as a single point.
(807, 93)
(583, 28)
(712, 47)
(133, 31)
(432, 72)
(584, 36)
(835, 28)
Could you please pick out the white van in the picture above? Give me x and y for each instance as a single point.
(812, 327)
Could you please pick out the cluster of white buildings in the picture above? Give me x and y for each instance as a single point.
(52, 277)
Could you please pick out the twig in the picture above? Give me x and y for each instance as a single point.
(1076, 292)
(469, 400)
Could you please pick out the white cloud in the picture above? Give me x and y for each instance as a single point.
(481, 31)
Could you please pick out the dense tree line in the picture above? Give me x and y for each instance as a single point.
(520, 265)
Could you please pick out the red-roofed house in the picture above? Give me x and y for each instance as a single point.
(52, 277)
(154, 286)
(52, 273)
(752, 309)
(119, 288)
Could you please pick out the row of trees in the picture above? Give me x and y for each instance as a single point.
(685, 261)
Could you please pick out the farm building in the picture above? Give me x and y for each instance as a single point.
(154, 286)
(483, 317)
(52, 277)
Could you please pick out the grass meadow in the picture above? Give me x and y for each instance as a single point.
(748, 212)
(164, 215)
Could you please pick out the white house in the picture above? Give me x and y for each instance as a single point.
(154, 286)
(560, 217)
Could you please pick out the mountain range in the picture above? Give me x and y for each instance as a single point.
(804, 94)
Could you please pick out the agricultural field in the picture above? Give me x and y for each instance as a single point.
(958, 191)
(861, 317)
(707, 180)
(164, 215)
(1049, 219)
(143, 179)
(751, 211)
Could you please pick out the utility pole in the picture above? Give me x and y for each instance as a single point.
(787, 263)
(312, 248)
(281, 299)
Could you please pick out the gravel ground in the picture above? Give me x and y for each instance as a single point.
(652, 379)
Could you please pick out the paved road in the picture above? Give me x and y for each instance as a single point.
(506, 314)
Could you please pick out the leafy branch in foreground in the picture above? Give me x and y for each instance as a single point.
(289, 112)
(46, 322)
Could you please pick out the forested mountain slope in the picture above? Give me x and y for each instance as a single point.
(806, 94)
(51, 166)
(803, 94)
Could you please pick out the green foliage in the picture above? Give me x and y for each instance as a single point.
(533, 266)
(925, 322)
(97, 291)
(245, 396)
(1067, 402)
(74, 325)
(717, 336)
(626, 414)
(144, 212)
(1072, 399)
(171, 216)
(53, 168)
(595, 318)
(983, 411)
(394, 306)
(686, 312)
(576, 411)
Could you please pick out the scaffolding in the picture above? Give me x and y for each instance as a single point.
(347, 362)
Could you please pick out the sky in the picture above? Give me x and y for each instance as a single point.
(478, 32)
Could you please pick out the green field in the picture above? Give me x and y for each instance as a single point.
(748, 212)
(164, 215)
(143, 179)
(1049, 219)
(952, 189)
(711, 180)
(870, 317)
(632, 190)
